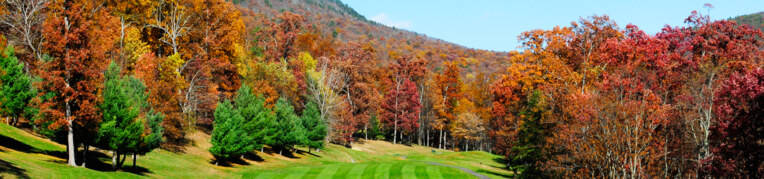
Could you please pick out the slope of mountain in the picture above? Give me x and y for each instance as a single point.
(756, 20)
(345, 24)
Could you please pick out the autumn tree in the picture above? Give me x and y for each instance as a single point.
(282, 36)
(470, 127)
(702, 54)
(401, 108)
(163, 84)
(401, 102)
(78, 36)
(449, 86)
(324, 85)
(354, 61)
(736, 148)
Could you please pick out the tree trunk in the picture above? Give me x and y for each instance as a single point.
(114, 157)
(440, 139)
(134, 160)
(427, 139)
(69, 121)
(395, 130)
(85, 155)
(122, 161)
(280, 150)
(366, 131)
(70, 139)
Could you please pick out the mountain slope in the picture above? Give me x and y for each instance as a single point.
(332, 17)
(756, 20)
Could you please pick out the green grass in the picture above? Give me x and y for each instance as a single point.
(24, 155)
(365, 170)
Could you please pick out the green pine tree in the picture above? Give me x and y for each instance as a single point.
(258, 119)
(528, 151)
(153, 139)
(123, 101)
(229, 139)
(16, 90)
(289, 130)
(315, 127)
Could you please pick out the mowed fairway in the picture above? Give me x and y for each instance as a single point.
(24, 155)
(365, 170)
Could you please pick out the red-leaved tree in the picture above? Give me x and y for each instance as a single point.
(737, 150)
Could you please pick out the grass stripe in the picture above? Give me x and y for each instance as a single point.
(408, 171)
(395, 171)
(421, 172)
(357, 171)
(328, 171)
(383, 171)
(433, 172)
(342, 172)
(368, 172)
(299, 173)
(312, 173)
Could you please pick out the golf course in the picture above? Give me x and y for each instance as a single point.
(24, 155)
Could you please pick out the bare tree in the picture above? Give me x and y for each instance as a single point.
(24, 20)
(175, 24)
(324, 90)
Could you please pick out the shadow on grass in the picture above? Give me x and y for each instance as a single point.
(138, 170)
(95, 158)
(276, 151)
(95, 161)
(16, 145)
(229, 162)
(253, 156)
(500, 160)
(7, 167)
(302, 152)
(494, 173)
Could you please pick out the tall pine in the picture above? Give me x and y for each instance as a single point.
(528, 150)
(16, 90)
(288, 127)
(229, 139)
(258, 119)
(314, 126)
(122, 129)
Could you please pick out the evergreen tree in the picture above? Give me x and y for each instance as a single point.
(288, 126)
(229, 139)
(123, 101)
(315, 127)
(258, 120)
(151, 140)
(16, 90)
(528, 151)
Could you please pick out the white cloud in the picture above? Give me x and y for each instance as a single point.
(383, 19)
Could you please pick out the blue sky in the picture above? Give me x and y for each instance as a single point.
(494, 25)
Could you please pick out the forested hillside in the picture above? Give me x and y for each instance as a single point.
(756, 20)
(588, 99)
